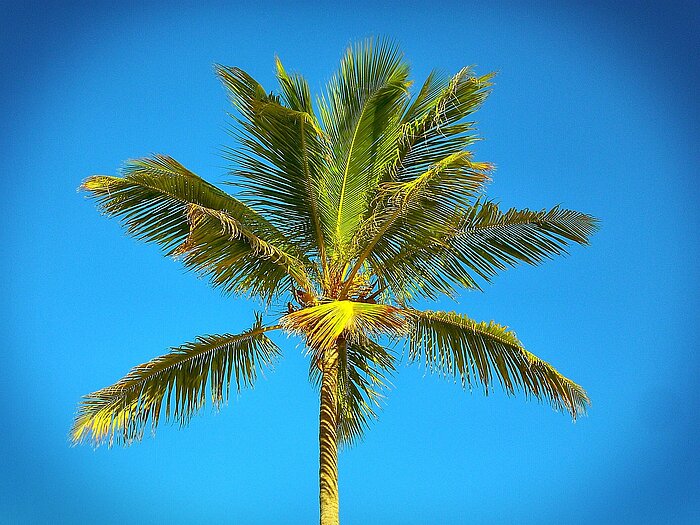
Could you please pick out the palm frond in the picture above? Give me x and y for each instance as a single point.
(363, 373)
(360, 114)
(245, 93)
(433, 127)
(280, 162)
(454, 345)
(417, 209)
(480, 242)
(160, 201)
(488, 240)
(295, 90)
(176, 382)
(324, 323)
(427, 98)
(364, 369)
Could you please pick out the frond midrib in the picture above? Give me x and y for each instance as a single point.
(348, 161)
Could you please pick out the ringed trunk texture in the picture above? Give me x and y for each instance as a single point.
(328, 439)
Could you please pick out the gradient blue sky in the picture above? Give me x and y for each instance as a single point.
(595, 108)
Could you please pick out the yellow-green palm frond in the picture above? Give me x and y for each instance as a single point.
(488, 239)
(360, 113)
(177, 382)
(480, 353)
(295, 90)
(323, 324)
(160, 201)
(238, 261)
(433, 88)
(280, 160)
(244, 91)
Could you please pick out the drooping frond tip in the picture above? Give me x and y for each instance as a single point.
(451, 344)
(216, 235)
(176, 383)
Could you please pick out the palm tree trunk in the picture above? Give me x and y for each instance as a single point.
(328, 439)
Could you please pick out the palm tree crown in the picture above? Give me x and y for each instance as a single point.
(348, 210)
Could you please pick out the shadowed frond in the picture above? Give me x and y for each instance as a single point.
(323, 324)
(478, 353)
(280, 162)
(363, 373)
(360, 113)
(364, 368)
(160, 201)
(120, 413)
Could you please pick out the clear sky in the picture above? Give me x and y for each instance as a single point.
(594, 108)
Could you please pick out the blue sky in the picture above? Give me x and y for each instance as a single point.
(594, 108)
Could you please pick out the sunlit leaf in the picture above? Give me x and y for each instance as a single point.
(175, 384)
(479, 353)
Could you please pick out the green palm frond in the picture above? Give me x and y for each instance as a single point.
(360, 113)
(238, 265)
(488, 239)
(176, 382)
(280, 162)
(433, 127)
(417, 209)
(295, 90)
(244, 91)
(480, 242)
(426, 99)
(160, 201)
(481, 353)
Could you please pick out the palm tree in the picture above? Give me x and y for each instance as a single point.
(349, 212)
